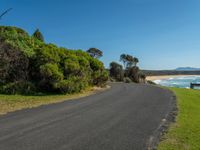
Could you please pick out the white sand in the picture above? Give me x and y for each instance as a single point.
(153, 78)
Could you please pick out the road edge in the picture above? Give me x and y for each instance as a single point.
(169, 118)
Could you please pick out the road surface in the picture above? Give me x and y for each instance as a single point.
(121, 118)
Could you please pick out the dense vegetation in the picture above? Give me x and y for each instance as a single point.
(130, 72)
(28, 65)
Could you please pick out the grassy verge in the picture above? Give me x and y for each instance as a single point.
(9, 103)
(185, 133)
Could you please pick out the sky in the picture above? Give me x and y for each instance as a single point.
(163, 34)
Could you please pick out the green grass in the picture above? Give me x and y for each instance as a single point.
(9, 103)
(185, 133)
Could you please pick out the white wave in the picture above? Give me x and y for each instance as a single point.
(171, 79)
(157, 81)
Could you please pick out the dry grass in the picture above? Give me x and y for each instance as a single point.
(9, 103)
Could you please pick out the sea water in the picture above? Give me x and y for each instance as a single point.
(180, 82)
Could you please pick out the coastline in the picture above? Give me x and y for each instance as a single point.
(162, 77)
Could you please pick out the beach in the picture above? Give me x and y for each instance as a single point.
(153, 78)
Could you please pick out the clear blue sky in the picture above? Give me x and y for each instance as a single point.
(163, 34)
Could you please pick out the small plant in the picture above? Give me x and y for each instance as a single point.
(127, 80)
(151, 82)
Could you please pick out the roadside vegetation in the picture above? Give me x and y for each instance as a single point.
(184, 134)
(34, 73)
(129, 72)
(9, 103)
(30, 66)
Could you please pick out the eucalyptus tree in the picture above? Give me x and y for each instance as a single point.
(38, 35)
(95, 52)
(135, 61)
(116, 71)
(123, 59)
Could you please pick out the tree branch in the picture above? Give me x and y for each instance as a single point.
(5, 12)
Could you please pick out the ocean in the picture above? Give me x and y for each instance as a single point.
(180, 82)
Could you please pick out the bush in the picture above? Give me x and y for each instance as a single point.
(151, 82)
(100, 78)
(20, 87)
(51, 69)
(71, 85)
(13, 64)
(50, 72)
(127, 80)
(71, 66)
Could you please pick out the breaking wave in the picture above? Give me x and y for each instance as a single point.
(181, 82)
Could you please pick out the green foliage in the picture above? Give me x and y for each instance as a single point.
(127, 80)
(13, 64)
(151, 82)
(96, 65)
(95, 53)
(18, 39)
(133, 74)
(50, 72)
(130, 71)
(100, 78)
(116, 71)
(71, 85)
(19, 87)
(128, 60)
(71, 66)
(38, 35)
(48, 67)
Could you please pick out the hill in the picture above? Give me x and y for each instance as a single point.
(169, 72)
(187, 69)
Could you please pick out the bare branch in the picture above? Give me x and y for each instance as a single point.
(5, 12)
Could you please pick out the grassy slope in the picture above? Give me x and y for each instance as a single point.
(185, 133)
(9, 103)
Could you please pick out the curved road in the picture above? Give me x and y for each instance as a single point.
(121, 118)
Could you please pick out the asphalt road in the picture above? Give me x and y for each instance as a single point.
(121, 118)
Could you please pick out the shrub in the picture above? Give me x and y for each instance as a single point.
(100, 78)
(13, 64)
(116, 71)
(38, 35)
(71, 85)
(71, 66)
(95, 64)
(20, 87)
(127, 80)
(50, 72)
(48, 67)
(151, 82)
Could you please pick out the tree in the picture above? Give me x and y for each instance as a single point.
(135, 60)
(123, 59)
(127, 60)
(38, 35)
(29, 65)
(130, 61)
(13, 64)
(95, 53)
(116, 71)
(142, 77)
(132, 73)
